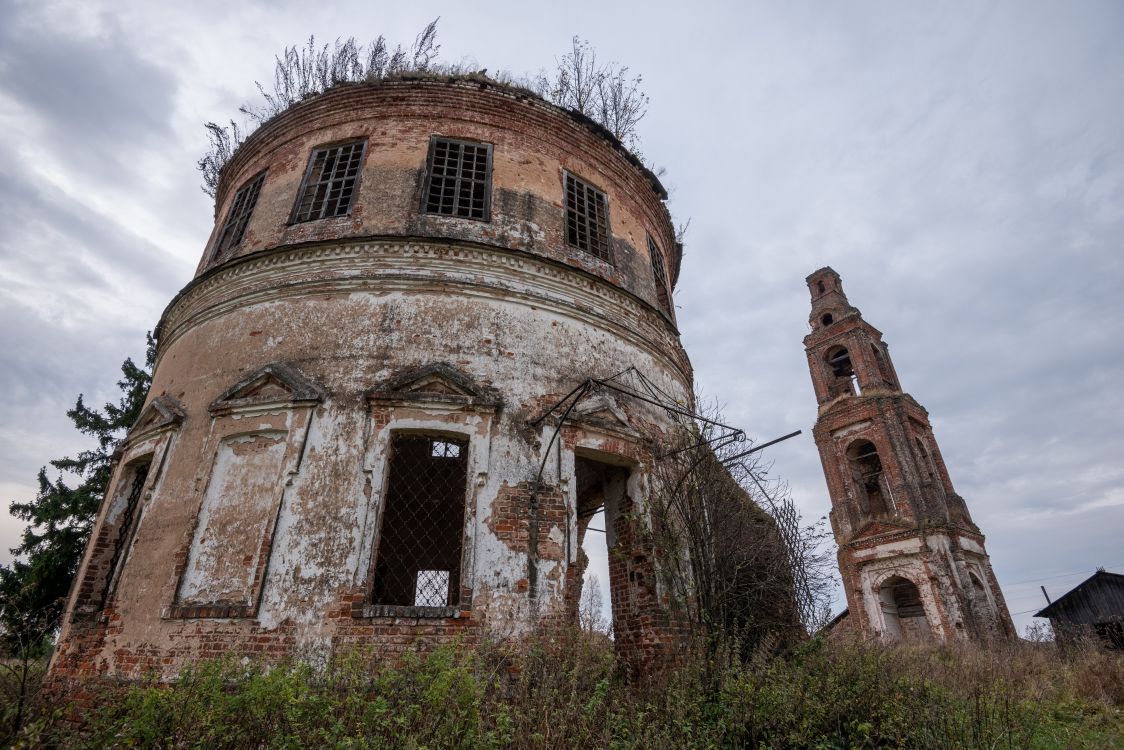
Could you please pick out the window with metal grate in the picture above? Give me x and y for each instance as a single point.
(239, 215)
(587, 218)
(329, 182)
(459, 179)
(660, 275)
(418, 560)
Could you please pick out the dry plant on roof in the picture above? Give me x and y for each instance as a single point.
(604, 92)
(734, 550)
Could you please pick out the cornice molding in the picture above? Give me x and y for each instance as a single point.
(408, 265)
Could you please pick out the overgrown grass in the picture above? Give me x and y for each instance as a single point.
(566, 692)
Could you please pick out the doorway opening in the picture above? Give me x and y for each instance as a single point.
(903, 612)
(597, 591)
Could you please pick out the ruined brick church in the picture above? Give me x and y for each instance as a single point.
(351, 435)
(912, 561)
(429, 338)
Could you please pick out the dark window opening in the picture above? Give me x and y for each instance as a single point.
(839, 361)
(239, 215)
(827, 319)
(866, 471)
(659, 274)
(329, 184)
(418, 561)
(587, 219)
(903, 611)
(458, 179)
(907, 597)
(925, 459)
(820, 287)
(126, 530)
(883, 367)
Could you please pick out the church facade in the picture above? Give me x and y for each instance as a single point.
(372, 418)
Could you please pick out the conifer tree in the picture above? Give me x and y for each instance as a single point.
(34, 587)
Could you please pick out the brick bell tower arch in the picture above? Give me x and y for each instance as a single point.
(912, 560)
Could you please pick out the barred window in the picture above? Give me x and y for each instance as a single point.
(239, 215)
(329, 184)
(418, 560)
(659, 274)
(587, 218)
(459, 178)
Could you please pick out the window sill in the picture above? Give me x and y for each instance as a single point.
(207, 611)
(405, 612)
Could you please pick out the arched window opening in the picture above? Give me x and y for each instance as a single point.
(985, 613)
(925, 460)
(883, 367)
(827, 319)
(820, 287)
(903, 612)
(844, 382)
(866, 470)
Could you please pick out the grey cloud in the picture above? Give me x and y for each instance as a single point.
(98, 98)
(56, 238)
(961, 166)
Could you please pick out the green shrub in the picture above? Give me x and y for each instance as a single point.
(566, 691)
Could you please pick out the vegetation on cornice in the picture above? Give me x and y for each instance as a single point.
(605, 94)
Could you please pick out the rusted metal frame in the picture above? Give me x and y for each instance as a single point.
(660, 274)
(533, 524)
(238, 217)
(459, 179)
(690, 469)
(305, 185)
(577, 394)
(649, 386)
(590, 213)
(557, 404)
(586, 386)
(730, 434)
(756, 448)
(653, 389)
(407, 473)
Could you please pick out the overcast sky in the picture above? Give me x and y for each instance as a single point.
(961, 165)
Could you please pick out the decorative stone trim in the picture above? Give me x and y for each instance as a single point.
(404, 264)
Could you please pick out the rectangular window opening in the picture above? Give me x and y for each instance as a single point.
(418, 560)
(239, 215)
(126, 530)
(587, 218)
(660, 275)
(329, 184)
(458, 179)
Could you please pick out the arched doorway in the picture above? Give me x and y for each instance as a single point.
(903, 612)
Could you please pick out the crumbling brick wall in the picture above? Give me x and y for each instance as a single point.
(308, 347)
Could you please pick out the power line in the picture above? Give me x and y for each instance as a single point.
(1051, 578)
(1063, 575)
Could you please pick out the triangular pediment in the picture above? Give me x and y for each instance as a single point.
(162, 411)
(603, 409)
(439, 382)
(876, 528)
(275, 383)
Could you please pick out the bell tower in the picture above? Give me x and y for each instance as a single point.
(912, 560)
